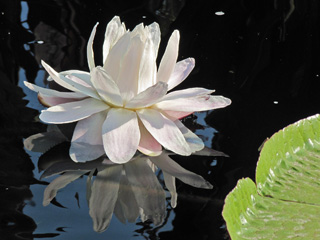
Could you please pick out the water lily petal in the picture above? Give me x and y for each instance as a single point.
(200, 103)
(195, 143)
(74, 84)
(169, 58)
(164, 131)
(148, 145)
(155, 36)
(149, 193)
(90, 54)
(106, 87)
(84, 76)
(73, 111)
(86, 143)
(104, 194)
(148, 97)
(51, 190)
(129, 73)
(180, 72)
(116, 54)
(53, 93)
(120, 134)
(114, 31)
(148, 67)
(170, 183)
(48, 101)
(187, 93)
(126, 206)
(171, 167)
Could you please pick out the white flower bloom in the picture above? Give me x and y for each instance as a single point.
(124, 106)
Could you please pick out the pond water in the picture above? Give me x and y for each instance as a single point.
(264, 57)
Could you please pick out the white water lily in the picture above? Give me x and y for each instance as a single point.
(123, 106)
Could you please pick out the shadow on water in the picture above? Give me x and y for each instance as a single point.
(263, 55)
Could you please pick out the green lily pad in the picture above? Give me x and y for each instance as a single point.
(285, 203)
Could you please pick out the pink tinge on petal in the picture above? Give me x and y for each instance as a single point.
(148, 145)
(120, 135)
(49, 101)
(174, 115)
(164, 131)
(195, 104)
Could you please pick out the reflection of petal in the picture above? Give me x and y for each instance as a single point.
(164, 131)
(120, 134)
(170, 182)
(42, 142)
(169, 58)
(86, 143)
(148, 192)
(171, 167)
(65, 166)
(210, 152)
(73, 111)
(51, 190)
(181, 71)
(104, 196)
(126, 207)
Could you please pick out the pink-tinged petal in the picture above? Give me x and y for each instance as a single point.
(54, 93)
(148, 67)
(120, 134)
(196, 104)
(48, 101)
(104, 194)
(195, 143)
(129, 73)
(174, 115)
(73, 111)
(116, 54)
(114, 31)
(90, 54)
(169, 58)
(148, 97)
(126, 207)
(74, 84)
(187, 93)
(170, 183)
(180, 72)
(86, 143)
(106, 87)
(51, 190)
(165, 163)
(149, 193)
(164, 131)
(148, 144)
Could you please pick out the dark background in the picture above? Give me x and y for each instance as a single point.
(263, 55)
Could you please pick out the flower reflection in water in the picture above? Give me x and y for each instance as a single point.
(128, 190)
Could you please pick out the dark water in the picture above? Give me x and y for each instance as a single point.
(264, 55)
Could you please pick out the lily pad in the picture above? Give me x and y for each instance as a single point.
(285, 201)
